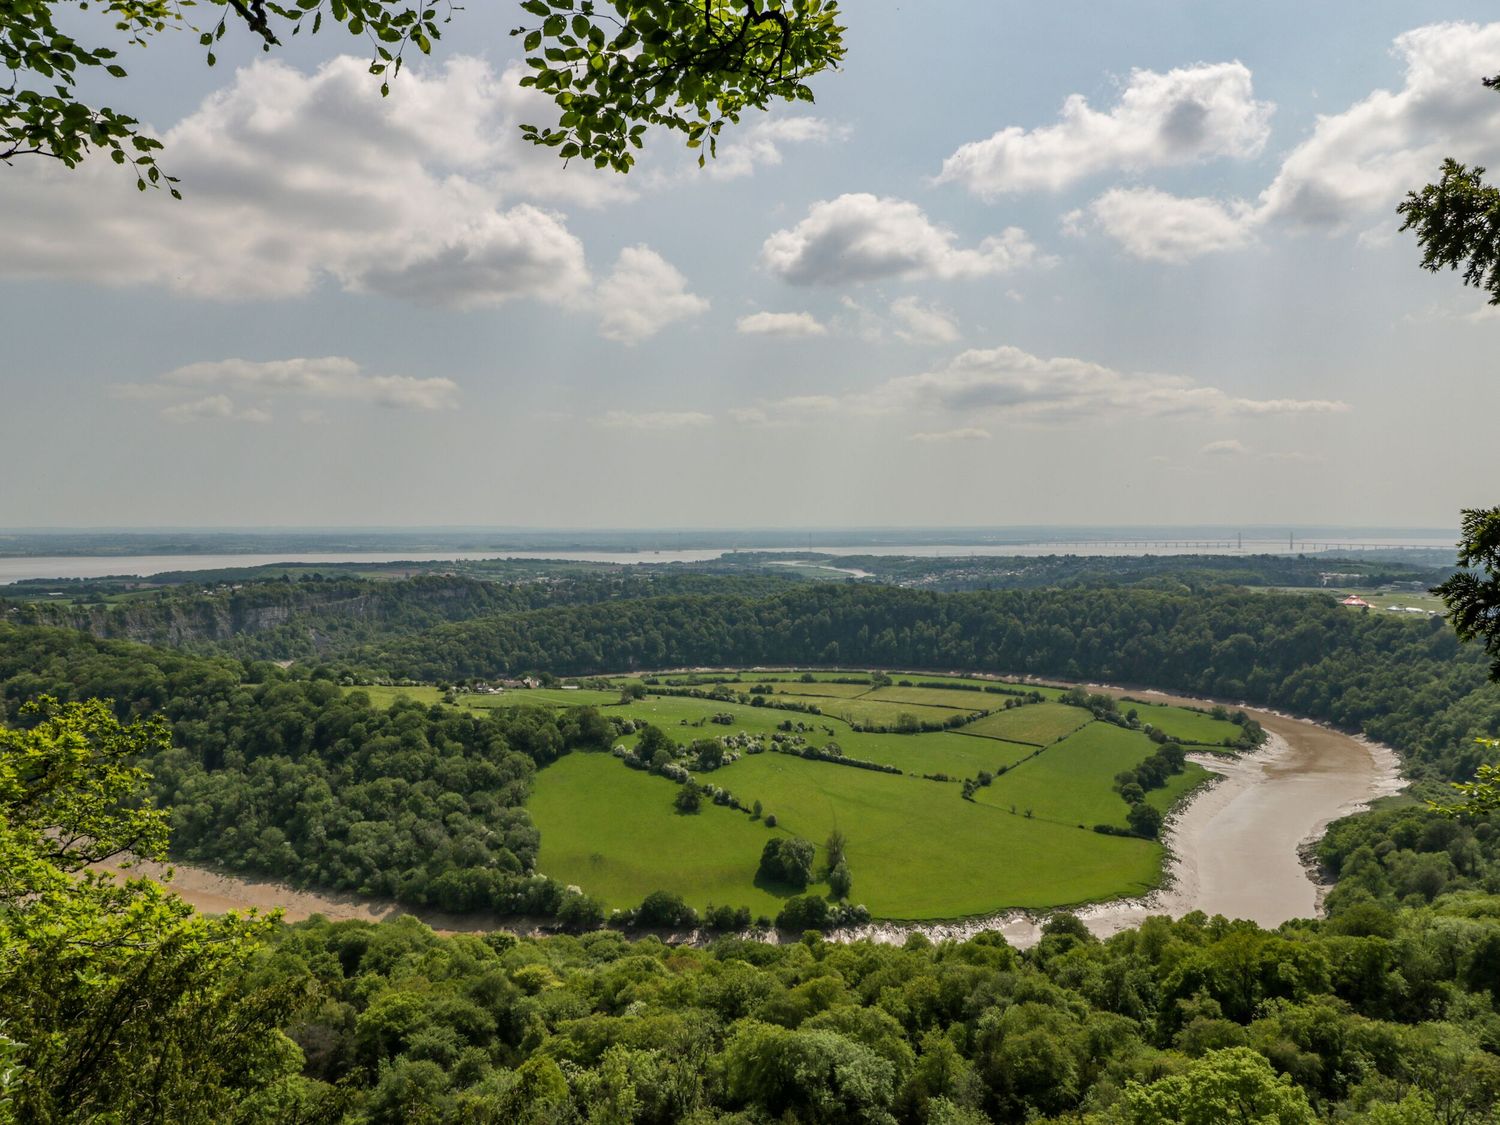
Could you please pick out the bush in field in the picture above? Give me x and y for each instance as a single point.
(840, 881)
(1144, 820)
(787, 860)
(689, 799)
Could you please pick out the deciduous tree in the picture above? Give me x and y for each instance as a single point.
(118, 1001)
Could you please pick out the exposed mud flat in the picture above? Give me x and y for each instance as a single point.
(1236, 847)
(213, 892)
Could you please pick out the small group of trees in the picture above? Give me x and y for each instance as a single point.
(788, 861)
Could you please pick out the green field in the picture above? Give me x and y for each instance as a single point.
(875, 712)
(1073, 781)
(1039, 724)
(541, 697)
(613, 832)
(383, 697)
(916, 848)
(826, 690)
(938, 697)
(1184, 725)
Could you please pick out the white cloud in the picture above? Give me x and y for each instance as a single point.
(293, 180)
(213, 408)
(1156, 226)
(1184, 116)
(1354, 165)
(780, 324)
(861, 237)
(326, 379)
(655, 420)
(1010, 384)
(1229, 447)
(1027, 386)
(332, 378)
(642, 295)
(923, 324)
(760, 144)
(965, 433)
(1366, 158)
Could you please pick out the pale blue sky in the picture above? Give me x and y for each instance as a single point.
(1184, 303)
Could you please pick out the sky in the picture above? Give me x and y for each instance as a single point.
(1074, 263)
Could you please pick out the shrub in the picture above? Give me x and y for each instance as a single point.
(579, 912)
(1144, 820)
(787, 860)
(805, 912)
(840, 881)
(665, 910)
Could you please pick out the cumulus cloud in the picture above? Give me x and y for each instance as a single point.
(642, 295)
(655, 420)
(292, 180)
(1153, 225)
(964, 433)
(780, 324)
(918, 323)
(1229, 447)
(1007, 383)
(1184, 116)
(861, 237)
(1354, 164)
(326, 379)
(1367, 157)
(759, 145)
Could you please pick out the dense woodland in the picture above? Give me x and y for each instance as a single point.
(1380, 1017)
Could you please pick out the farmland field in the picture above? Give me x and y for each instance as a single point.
(1040, 724)
(1185, 725)
(1072, 780)
(827, 690)
(541, 697)
(382, 697)
(917, 848)
(613, 832)
(938, 697)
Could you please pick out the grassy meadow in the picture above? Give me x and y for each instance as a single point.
(917, 849)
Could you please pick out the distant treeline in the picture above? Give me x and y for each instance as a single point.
(1402, 681)
(317, 617)
(996, 572)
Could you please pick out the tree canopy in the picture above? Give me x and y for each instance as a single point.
(613, 70)
(117, 1001)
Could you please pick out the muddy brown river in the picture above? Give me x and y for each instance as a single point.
(1236, 847)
